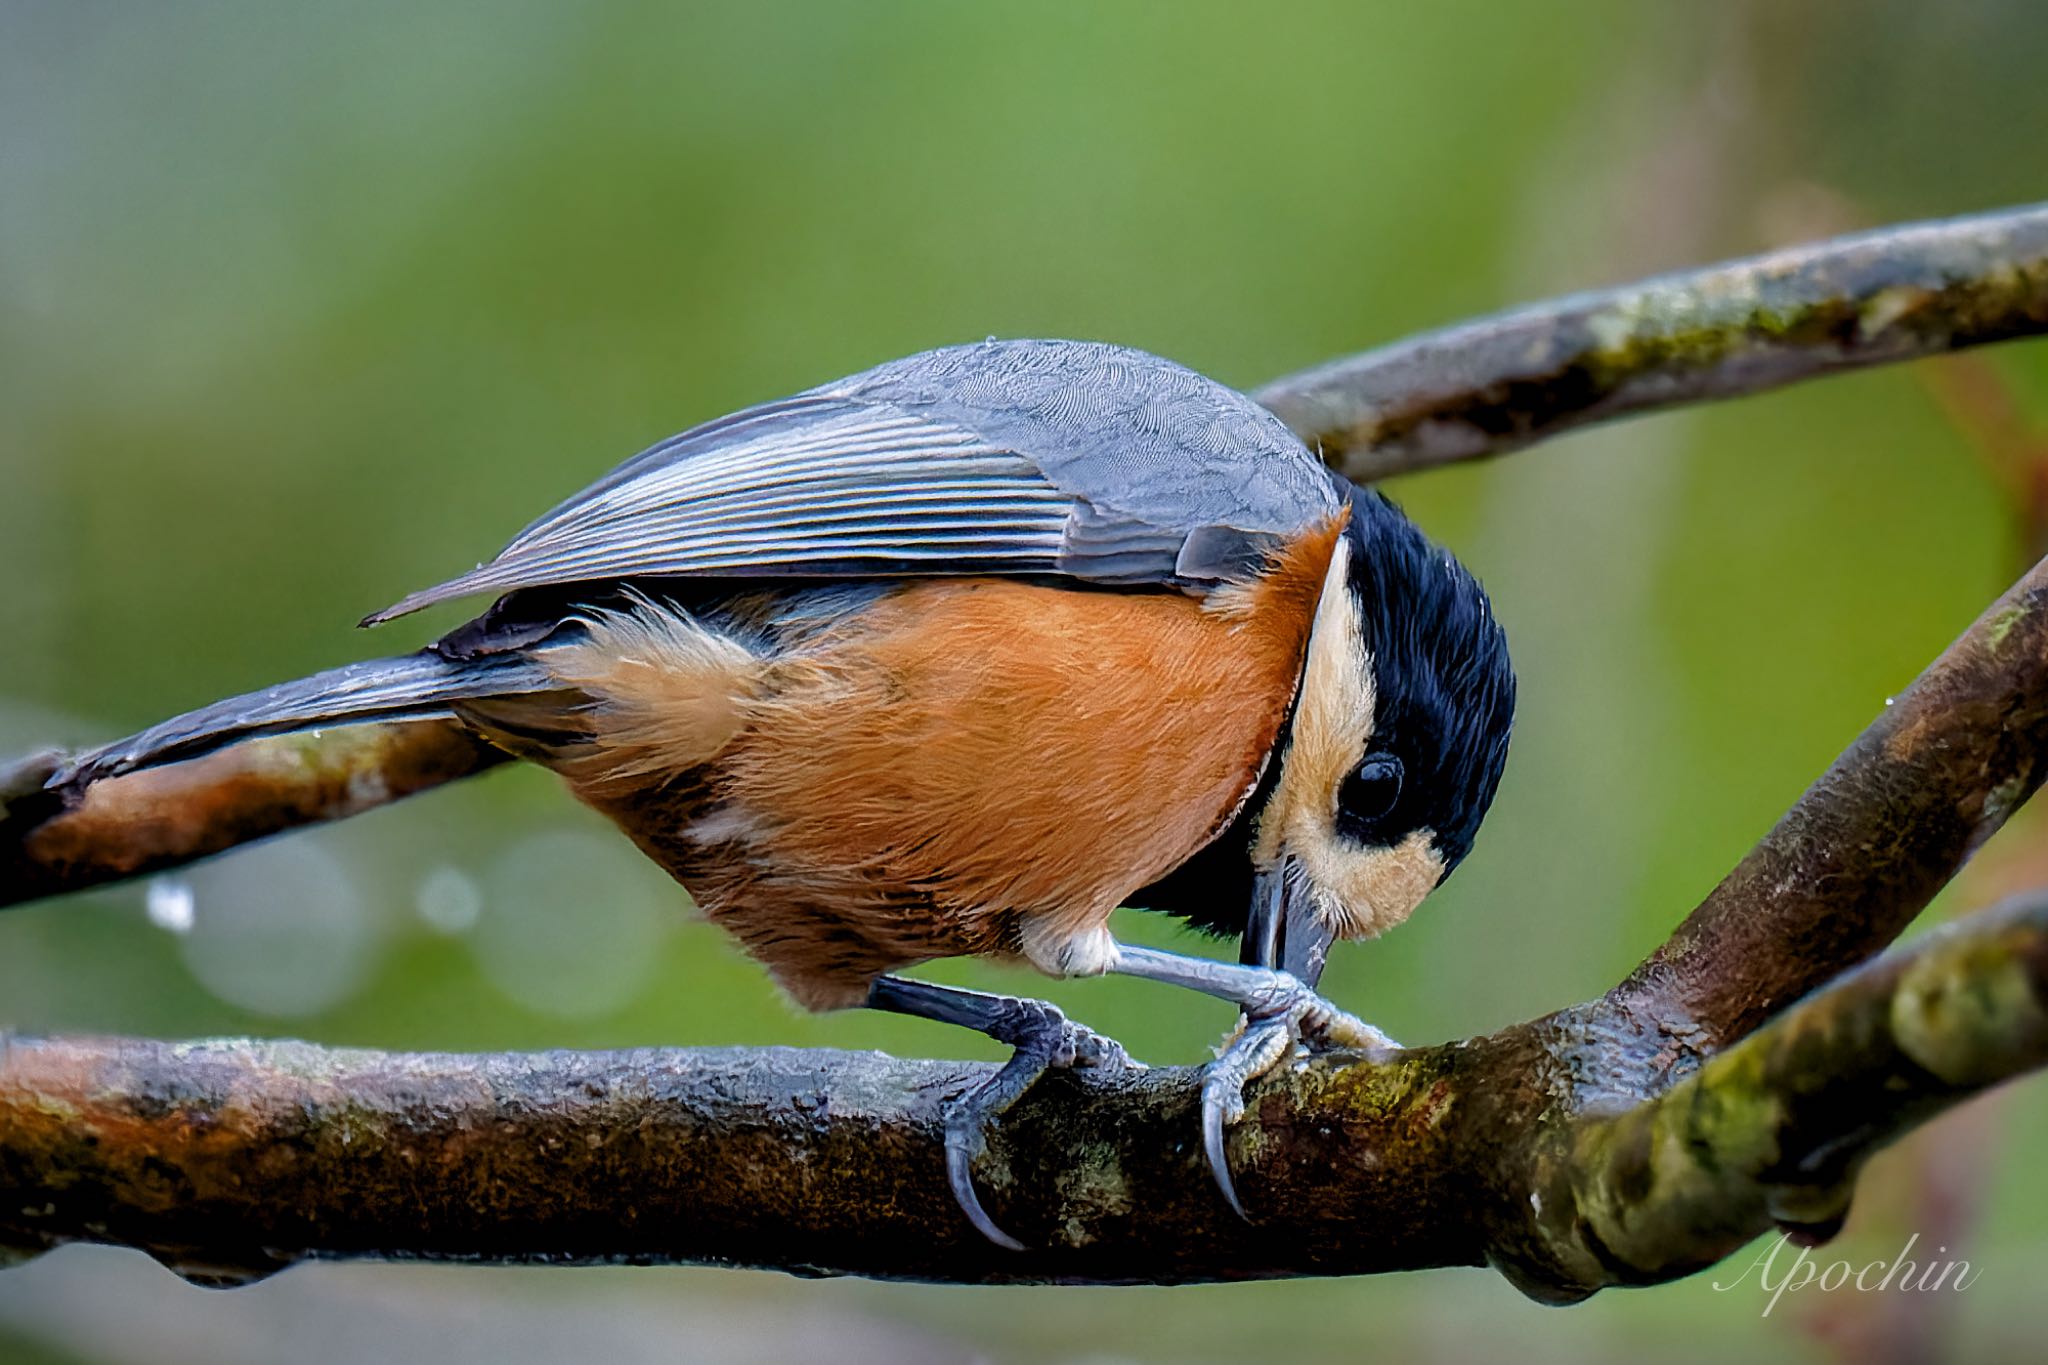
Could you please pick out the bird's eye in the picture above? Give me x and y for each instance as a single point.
(1371, 791)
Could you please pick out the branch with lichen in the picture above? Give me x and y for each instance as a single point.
(1725, 331)
(1624, 1141)
(1774, 1130)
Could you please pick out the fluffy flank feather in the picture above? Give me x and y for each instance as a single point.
(666, 692)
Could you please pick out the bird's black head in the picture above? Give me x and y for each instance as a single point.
(1395, 748)
(1444, 690)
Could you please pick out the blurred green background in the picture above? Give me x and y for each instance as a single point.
(301, 308)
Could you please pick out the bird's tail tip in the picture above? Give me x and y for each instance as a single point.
(405, 688)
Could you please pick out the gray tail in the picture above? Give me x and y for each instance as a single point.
(407, 688)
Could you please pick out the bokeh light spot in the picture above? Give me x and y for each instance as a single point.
(280, 928)
(448, 901)
(570, 922)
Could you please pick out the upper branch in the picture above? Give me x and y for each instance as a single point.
(1741, 327)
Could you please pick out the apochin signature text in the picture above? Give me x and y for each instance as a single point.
(1873, 1277)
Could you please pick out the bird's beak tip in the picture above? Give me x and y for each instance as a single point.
(1283, 930)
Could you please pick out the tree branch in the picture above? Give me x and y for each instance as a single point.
(230, 1160)
(1775, 1129)
(166, 817)
(1738, 328)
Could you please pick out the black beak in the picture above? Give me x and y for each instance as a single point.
(1283, 929)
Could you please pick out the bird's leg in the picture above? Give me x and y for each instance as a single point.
(1043, 1038)
(1279, 1012)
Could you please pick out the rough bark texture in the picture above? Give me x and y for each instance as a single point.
(1627, 1140)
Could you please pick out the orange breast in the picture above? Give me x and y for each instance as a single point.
(967, 754)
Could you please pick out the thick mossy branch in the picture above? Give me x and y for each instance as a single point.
(1775, 1129)
(1738, 328)
(167, 817)
(229, 1160)
(233, 1158)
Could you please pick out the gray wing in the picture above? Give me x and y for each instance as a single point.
(1022, 457)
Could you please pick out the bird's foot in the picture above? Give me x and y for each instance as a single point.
(1279, 1017)
(1045, 1040)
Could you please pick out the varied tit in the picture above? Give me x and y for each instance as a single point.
(958, 655)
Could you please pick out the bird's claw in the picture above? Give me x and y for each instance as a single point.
(1256, 1049)
(1283, 1016)
(1045, 1040)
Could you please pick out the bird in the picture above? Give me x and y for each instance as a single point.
(957, 655)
